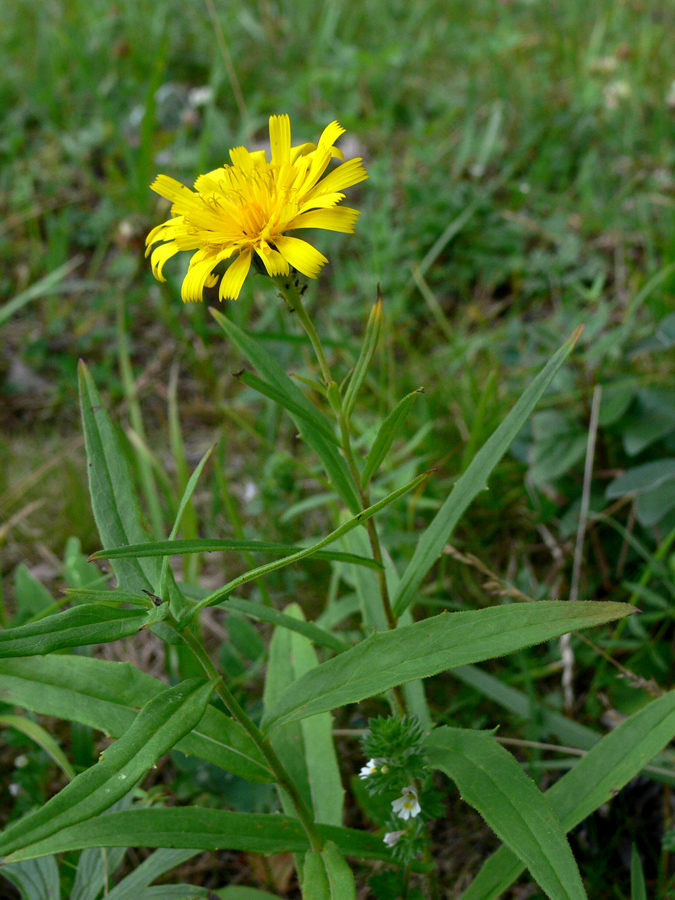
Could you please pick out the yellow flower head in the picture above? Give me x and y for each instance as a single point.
(251, 206)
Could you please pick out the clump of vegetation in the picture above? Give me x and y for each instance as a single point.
(520, 185)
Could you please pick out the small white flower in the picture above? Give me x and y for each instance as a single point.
(393, 837)
(371, 767)
(407, 806)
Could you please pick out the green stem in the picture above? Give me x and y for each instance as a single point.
(288, 288)
(238, 713)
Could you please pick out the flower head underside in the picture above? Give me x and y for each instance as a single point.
(250, 206)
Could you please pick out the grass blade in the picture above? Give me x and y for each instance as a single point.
(475, 479)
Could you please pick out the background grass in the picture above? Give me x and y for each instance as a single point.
(521, 182)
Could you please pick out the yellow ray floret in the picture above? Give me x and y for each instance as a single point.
(251, 206)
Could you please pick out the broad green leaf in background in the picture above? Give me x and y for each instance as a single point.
(161, 723)
(113, 498)
(306, 748)
(203, 829)
(384, 660)
(373, 617)
(475, 479)
(490, 780)
(208, 545)
(41, 737)
(654, 485)
(77, 627)
(594, 780)
(326, 875)
(325, 449)
(31, 597)
(106, 695)
(38, 879)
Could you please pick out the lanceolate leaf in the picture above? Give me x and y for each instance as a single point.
(223, 593)
(442, 642)
(38, 879)
(594, 780)
(208, 545)
(77, 627)
(204, 829)
(325, 449)
(264, 613)
(155, 865)
(490, 780)
(313, 418)
(306, 748)
(106, 695)
(327, 876)
(386, 434)
(113, 498)
(161, 723)
(41, 737)
(475, 479)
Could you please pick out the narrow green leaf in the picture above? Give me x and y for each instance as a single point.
(307, 745)
(41, 737)
(327, 876)
(208, 545)
(386, 434)
(113, 495)
(368, 347)
(223, 593)
(315, 884)
(95, 867)
(263, 613)
(203, 829)
(288, 741)
(314, 418)
(442, 642)
(327, 452)
(173, 892)
(475, 479)
(239, 892)
(161, 723)
(77, 627)
(155, 865)
(594, 780)
(46, 285)
(638, 888)
(37, 879)
(490, 780)
(108, 597)
(106, 695)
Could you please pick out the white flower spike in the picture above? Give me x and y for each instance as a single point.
(371, 767)
(407, 806)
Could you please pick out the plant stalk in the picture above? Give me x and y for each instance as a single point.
(238, 713)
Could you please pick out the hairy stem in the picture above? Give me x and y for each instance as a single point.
(276, 766)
